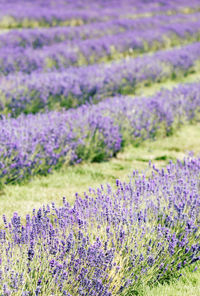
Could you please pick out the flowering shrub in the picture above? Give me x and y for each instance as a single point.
(40, 37)
(110, 242)
(82, 52)
(75, 13)
(76, 86)
(34, 144)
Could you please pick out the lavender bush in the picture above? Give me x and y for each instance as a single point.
(39, 37)
(83, 52)
(35, 144)
(42, 91)
(72, 13)
(111, 242)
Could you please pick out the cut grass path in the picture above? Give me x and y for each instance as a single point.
(149, 90)
(69, 180)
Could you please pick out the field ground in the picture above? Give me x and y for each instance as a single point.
(187, 285)
(169, 84)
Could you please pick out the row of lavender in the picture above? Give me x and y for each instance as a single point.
(42, 14)
(111, 242)
(40, 37)
(83, 52)
(42, 91)
(35, 144)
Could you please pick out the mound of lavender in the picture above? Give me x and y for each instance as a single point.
(111, 242)
(41, 91)
(39, 37)
(35, 144)
(83, 52)
(13, 16)
(43, 13)
(74, 14)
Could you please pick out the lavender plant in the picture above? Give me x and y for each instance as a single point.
(110, 242)
(84, 52)
(35, 144)
(76, 86)
(39, 37)
(70, 13)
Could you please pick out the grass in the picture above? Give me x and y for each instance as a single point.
(187, 285)
(168, 84)
(69, 180)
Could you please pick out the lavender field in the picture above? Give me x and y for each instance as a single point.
(99, 147)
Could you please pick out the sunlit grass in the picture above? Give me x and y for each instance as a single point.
(168, 84)
(187, 285)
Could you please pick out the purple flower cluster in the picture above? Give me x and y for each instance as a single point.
(13, 16)
(111, 241)
(34, 144)
(83, 52)
(75, 86)
(39, 37)
(54, 13)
